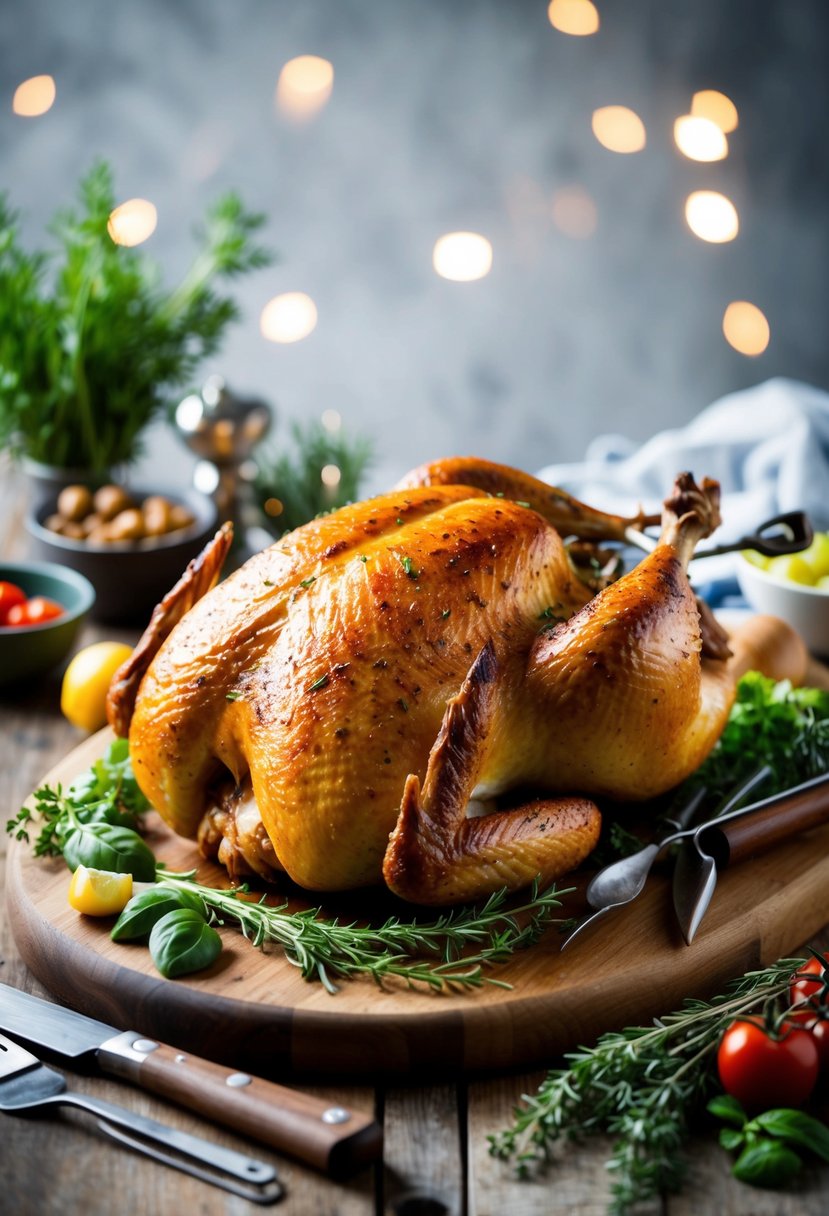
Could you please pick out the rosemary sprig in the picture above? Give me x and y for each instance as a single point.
(327, 950)
(639, 1085)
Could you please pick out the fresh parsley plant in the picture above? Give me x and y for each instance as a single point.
(91, 343)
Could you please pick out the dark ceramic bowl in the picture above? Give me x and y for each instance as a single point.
(129, 577)
(30, 650)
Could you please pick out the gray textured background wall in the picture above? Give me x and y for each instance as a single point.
(444, 115)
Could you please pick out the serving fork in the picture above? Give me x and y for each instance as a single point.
(28, 1085)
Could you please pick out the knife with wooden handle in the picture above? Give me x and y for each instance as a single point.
(324, 1135)
(739, 835)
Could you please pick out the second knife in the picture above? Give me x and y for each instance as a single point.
(322, 1134)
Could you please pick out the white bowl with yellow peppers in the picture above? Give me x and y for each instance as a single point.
(794, 587)
(132, 544)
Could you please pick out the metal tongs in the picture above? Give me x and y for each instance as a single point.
(790, 532)
(730, 835)
(26, 1084)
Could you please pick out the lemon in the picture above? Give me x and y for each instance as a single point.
(86, 682)
(791, 569)
(817, 555)
(99, 892)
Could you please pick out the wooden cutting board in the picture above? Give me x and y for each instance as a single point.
(254, 1010)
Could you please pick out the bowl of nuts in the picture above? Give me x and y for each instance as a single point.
(132, 544)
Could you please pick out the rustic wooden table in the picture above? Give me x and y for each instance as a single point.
(436, 1153)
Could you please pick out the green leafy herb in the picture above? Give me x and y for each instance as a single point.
(145, 909)
(641, 1086)
(306, 582)
(91, 345)
(768, 1163)
(106, 793)
(233, 695)
(770, 723)
(447, 612)
(361, 557)
(409, 568)
(320, 683)
(102, 846)
(182, 942)
(766, 1144)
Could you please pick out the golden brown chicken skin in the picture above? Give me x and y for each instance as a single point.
(324, 666)
(346, 705)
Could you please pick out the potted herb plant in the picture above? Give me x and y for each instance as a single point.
(92, 345)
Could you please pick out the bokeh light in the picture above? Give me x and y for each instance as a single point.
(700, 138)
(619, 129)
(273, 507)
(717, 108)
(304, 86)
(331, 476)
(746, 328)
(462, 256)
(289, 317)
(574, 212)
(34, 96)
(577, 17)
(712, 216)
(331, 421)
(133, 222)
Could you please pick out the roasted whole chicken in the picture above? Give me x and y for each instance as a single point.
(423, 689)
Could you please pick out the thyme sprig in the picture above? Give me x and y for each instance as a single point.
(327, 950)
(640, 1085)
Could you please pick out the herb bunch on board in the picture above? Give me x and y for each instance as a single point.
(640, 1085)
(91, 343)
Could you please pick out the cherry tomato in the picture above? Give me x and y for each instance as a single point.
(804, 991)
(35, 611)
(764, 1072)
(811, 1001)
(10, 595)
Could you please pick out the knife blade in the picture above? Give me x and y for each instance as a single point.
(695, 872)
(324, 1135)
(741, 833)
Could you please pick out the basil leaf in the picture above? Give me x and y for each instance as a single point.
(728, 1108)
(731, 1139)
(182, 942)
(768, 1163)
(145, 910)
(795, 1127)
(102, 846)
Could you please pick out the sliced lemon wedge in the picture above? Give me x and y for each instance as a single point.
(99, 892)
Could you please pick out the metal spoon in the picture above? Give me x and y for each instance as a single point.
(620, 882)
